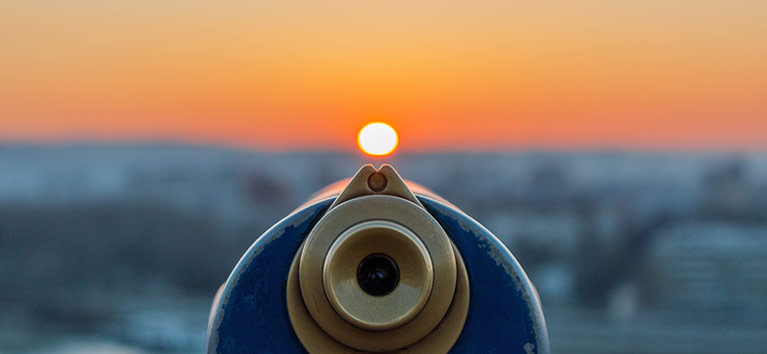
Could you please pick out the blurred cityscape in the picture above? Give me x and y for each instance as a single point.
(119, 248)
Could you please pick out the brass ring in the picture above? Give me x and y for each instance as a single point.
(413, 286)
(391, 209)
(439, 341)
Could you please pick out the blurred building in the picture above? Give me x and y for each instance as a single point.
(718, 268)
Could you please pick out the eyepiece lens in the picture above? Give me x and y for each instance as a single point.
(378, 274)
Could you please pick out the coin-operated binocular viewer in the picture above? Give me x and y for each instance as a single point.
(376, 264)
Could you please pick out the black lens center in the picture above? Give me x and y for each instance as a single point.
(378, 274)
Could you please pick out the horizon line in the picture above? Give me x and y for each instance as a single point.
(530, 148)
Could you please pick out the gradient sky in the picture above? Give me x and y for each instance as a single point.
(499, 74)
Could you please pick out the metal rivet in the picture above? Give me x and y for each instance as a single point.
(377, 182)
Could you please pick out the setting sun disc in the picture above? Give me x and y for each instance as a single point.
(377, 139)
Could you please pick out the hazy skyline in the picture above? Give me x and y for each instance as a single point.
(451, 75)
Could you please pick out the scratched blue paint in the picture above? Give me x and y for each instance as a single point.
(504, 312)
(251, 316)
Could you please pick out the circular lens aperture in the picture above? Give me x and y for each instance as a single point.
(378, 274)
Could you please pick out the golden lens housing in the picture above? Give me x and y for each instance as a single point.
(424, 312)
(413, 285)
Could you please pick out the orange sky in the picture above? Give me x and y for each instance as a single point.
(499, 74)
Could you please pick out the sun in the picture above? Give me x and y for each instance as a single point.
(377, 139)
